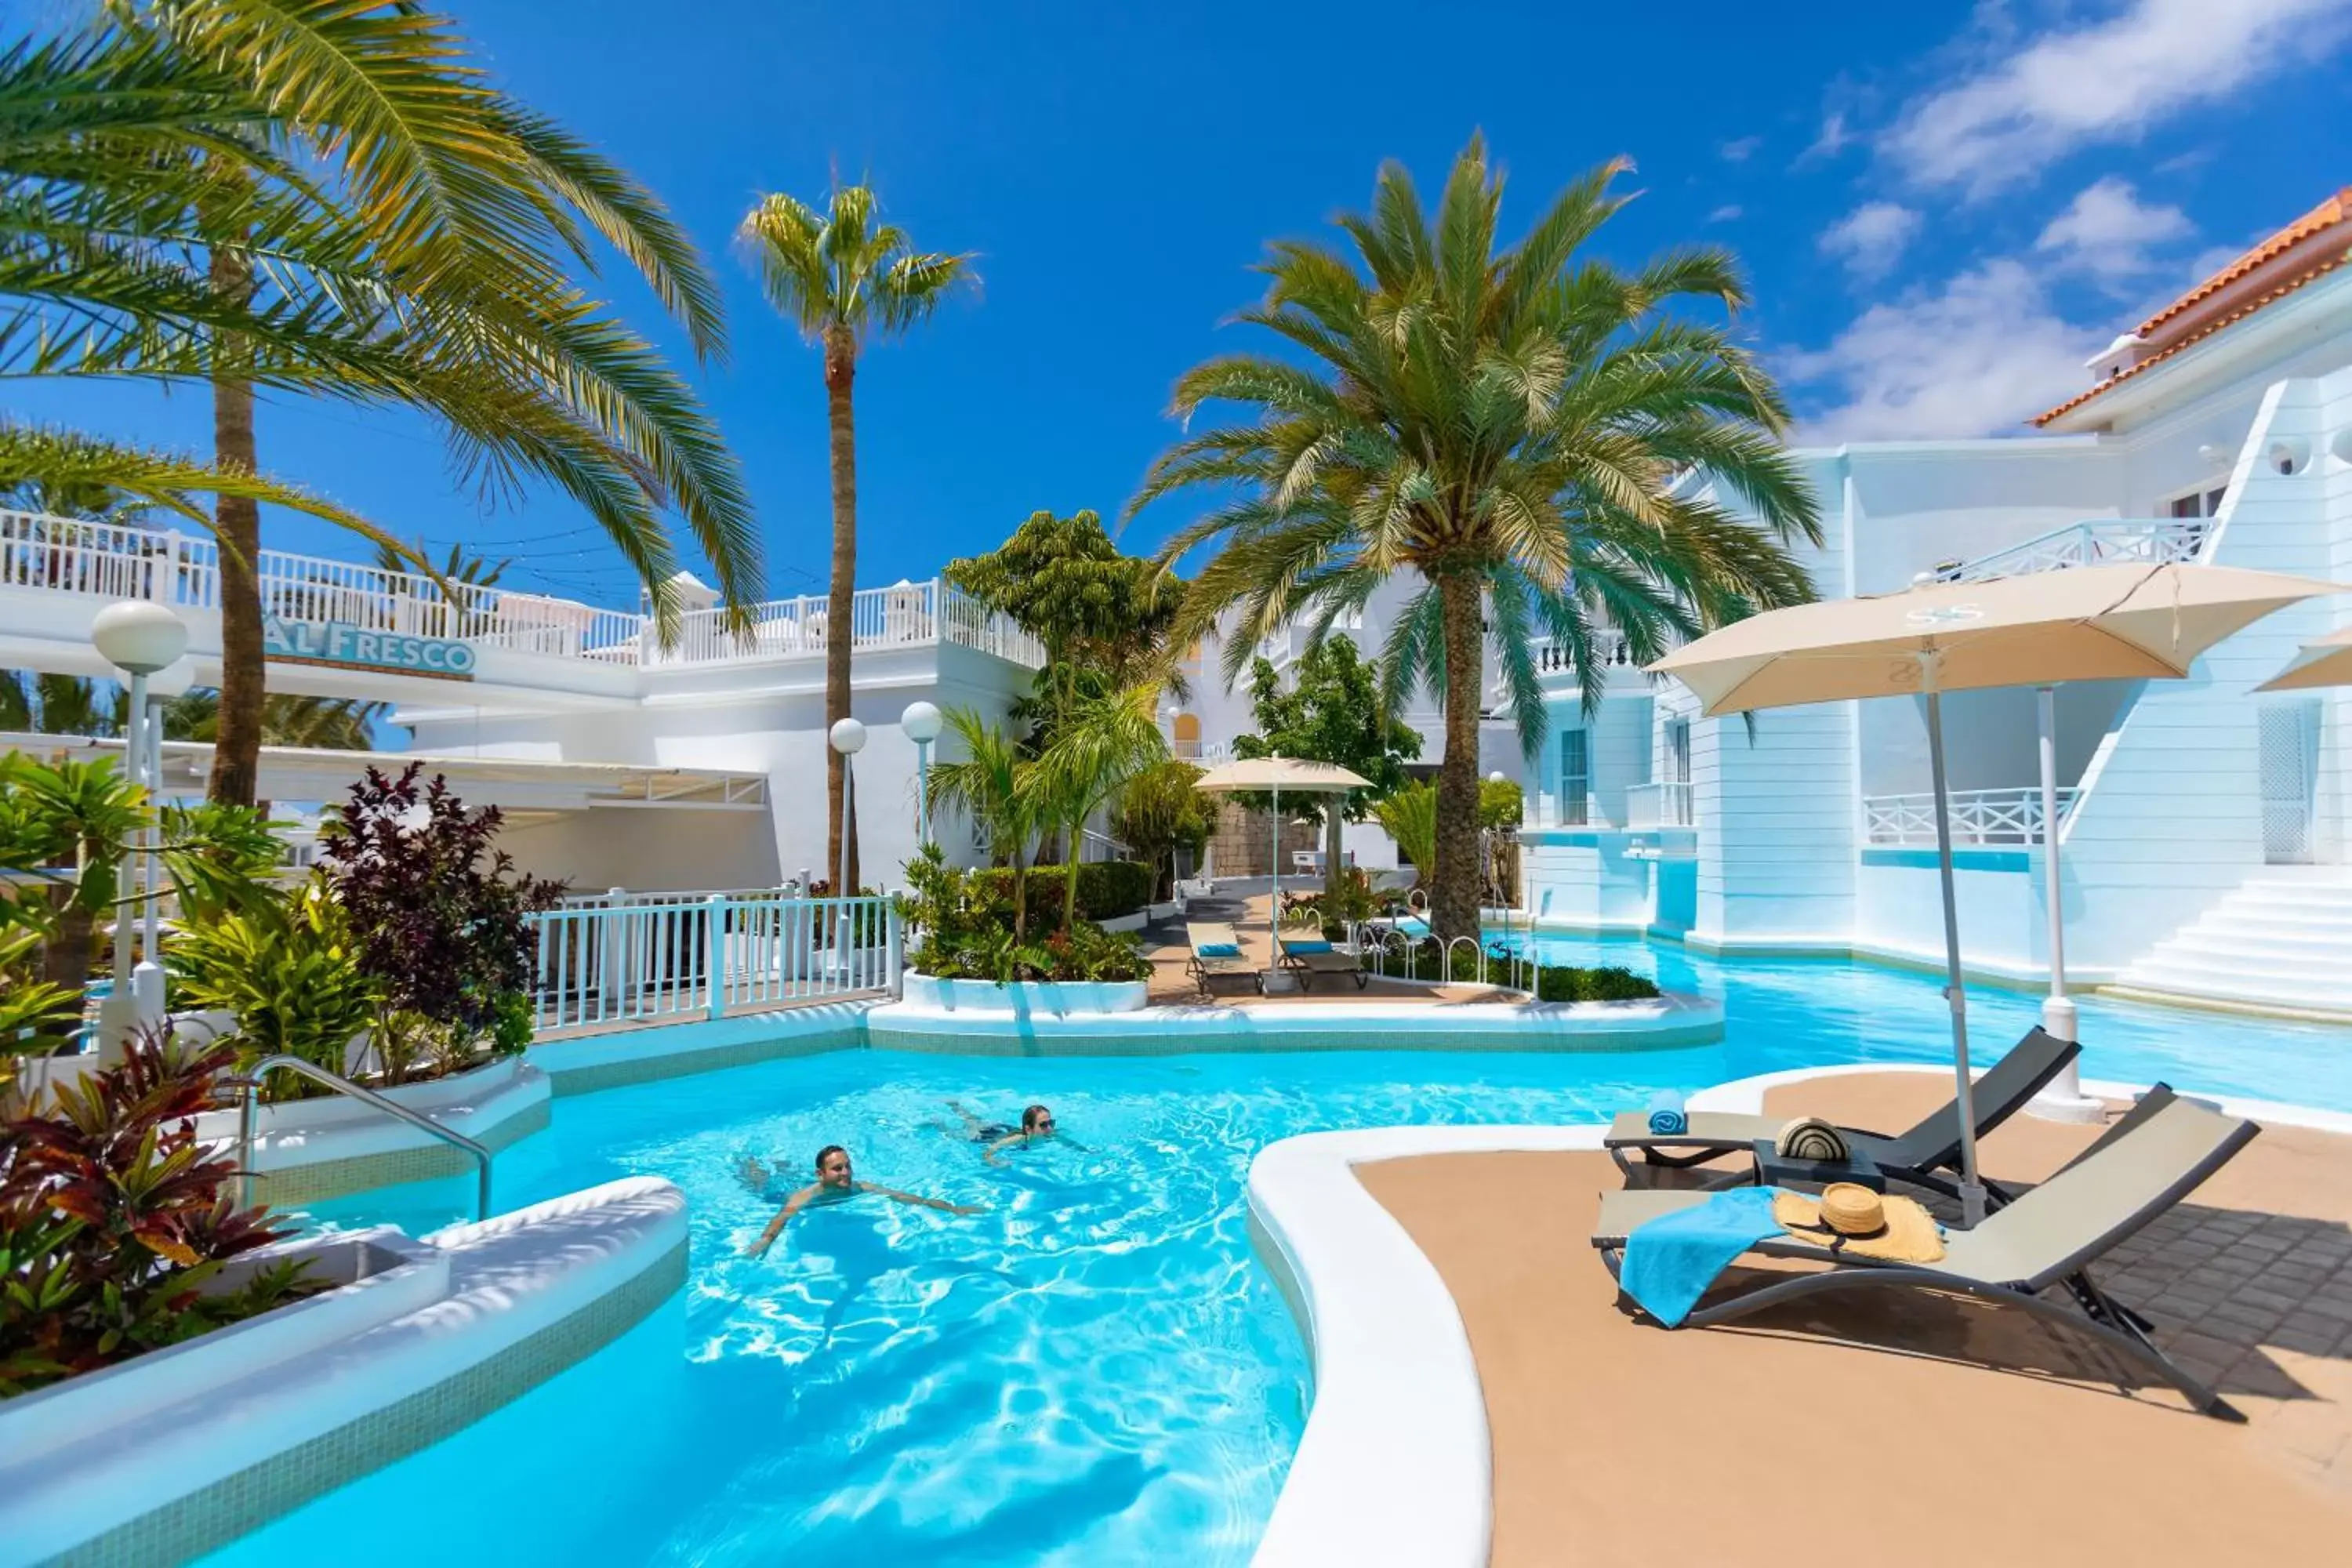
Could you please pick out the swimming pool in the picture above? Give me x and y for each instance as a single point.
(1092, 1370)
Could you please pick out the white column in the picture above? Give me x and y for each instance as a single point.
(2063, 1099)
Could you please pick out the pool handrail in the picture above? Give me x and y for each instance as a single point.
(249, 1087)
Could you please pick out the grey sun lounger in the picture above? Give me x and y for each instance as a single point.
(1309, 963)
(2035, 1252)
(1207, 968)
(1933, 1145)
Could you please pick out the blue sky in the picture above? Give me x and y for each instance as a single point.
(1943, 210)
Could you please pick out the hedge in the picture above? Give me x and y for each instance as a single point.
(1107, 888)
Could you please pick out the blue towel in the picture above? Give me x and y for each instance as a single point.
(1219, 950)
(1666, 1117)
(1317, 946)
(1671, 1261)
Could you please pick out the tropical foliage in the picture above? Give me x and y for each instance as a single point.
(1333, 710)
(330, 198)
(993, 786)
(290, 972)
(844, 277)
(1537, 438)
(1161, 812)
(968, 931)
(1101, 742)
(437, 913)
(116, 1221)
(1105, 617)
(1410, 816)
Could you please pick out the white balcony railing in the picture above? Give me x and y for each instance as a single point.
(1554, 662)
(1979, 816)
(1199, 751)
(2104, 542)
(109, 560)
(1665, 804)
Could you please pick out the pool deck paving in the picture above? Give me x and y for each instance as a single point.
(1914, 1429)
(1171, 987)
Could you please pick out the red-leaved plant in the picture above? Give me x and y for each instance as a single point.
(438, 910)
(114, 1216)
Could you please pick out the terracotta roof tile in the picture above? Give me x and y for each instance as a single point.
(2335, 210)
(2198, 336)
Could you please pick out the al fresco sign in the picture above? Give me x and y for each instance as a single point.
(334, 642)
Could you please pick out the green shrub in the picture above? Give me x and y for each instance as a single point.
(1609, 982)
(965, 922)
(1106, 890)
(290, 972)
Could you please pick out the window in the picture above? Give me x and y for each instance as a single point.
(1575, 776)
(2205, 501)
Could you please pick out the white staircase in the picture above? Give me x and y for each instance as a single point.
(2282, 941)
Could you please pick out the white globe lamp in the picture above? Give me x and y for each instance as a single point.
(848, 737)
(138, 638)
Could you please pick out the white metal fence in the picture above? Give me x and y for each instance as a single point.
(2102, 543)
(1979, 817)
(111, 561)
(649, 960)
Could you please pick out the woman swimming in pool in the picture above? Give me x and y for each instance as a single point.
(1037, 1125)
(836, 1183)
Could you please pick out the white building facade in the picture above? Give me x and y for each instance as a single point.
(2203, 832)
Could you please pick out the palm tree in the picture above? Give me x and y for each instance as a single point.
(52, 704)
(997, 788)
(842, 278)
(328, 197)
(460, 568)
(287, 718)
(1100, 745)
(1530, 432)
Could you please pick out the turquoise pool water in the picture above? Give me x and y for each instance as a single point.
(1093, 1370)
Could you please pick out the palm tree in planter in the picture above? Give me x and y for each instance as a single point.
(842, 276)
(1530, 433)
(1102, 743)
(998, 788)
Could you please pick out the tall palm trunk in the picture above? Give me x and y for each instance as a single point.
(1454, 896)
(1332, 872)
(840, 373)
(236, 745)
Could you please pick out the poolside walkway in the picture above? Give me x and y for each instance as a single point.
(1965, 1434)
(1164, 944)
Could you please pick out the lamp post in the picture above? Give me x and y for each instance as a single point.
(921, 723)
(138, 638)
(849, 738)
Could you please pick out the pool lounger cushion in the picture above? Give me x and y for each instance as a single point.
(2034, 1252)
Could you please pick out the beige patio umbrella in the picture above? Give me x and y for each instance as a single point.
(2088, 623)
(2327, 662)
(1276, 774)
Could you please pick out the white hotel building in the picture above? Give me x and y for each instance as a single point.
(2201, 834)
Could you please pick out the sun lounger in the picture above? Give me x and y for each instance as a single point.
(1208, 967)
(2034, 1253)
(1309, 962)
(1933, 1145)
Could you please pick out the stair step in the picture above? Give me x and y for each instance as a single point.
(2273, 940)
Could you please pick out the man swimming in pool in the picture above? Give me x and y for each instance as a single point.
(836, 1183)
(1037, 1125)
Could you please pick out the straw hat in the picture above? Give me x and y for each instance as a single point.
(1848, 1217)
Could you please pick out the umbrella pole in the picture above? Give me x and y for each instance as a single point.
(1274, 899)
(2064, 1099)
(1972, 1192)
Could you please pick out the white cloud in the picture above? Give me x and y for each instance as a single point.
(1739, 151)
(1725, 213)
(2106, 232)
(1975, 358)
(1871, 238)
(1834, 139)
(2031, 101)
